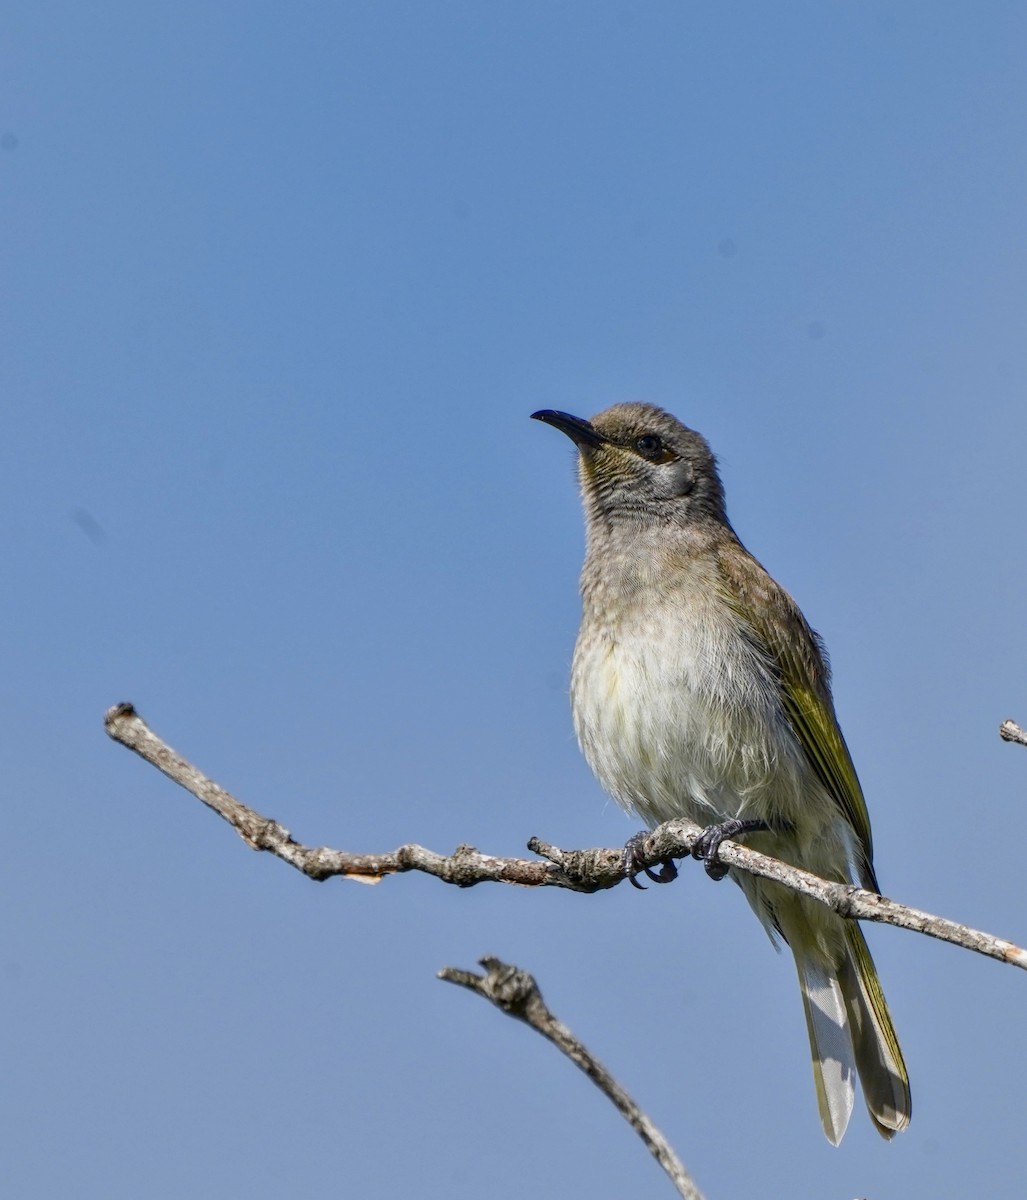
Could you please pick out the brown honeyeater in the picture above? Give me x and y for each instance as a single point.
(699, 690)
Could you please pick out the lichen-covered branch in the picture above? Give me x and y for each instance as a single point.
(579, 870)
(517, 994)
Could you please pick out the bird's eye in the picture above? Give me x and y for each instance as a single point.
(650, 446)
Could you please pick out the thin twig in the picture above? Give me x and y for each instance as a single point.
(1009, 731)
(517, 994)
(579, 870)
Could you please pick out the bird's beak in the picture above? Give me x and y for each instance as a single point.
(580, 432)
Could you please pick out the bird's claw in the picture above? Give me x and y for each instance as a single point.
(667, 872)
(706, 847)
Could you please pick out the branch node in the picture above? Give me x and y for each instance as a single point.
(588, 871)
(844, 897)
(320, 865)
(504, 985)
(267, 835)
(546, 850)
(462, 868)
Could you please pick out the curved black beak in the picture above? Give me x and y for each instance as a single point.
(580, 432)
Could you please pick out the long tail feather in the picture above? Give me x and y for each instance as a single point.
(830, 1045)
(882, 1071)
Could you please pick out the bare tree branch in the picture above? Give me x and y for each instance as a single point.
(579, 870)
(1009, 731)
(517, 994)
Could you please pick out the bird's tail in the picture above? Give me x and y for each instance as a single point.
(850, 1032)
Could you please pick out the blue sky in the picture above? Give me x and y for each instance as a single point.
(281, 287)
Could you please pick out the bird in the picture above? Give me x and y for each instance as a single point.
(699, 690)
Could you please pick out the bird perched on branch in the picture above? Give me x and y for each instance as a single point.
(699, 690)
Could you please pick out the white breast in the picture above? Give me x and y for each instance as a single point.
(677, 715)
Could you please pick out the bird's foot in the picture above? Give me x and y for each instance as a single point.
(707, 844)
(667, 873)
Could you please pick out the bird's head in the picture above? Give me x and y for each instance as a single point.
(637, 461)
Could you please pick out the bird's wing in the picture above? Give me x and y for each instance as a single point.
(796, 654)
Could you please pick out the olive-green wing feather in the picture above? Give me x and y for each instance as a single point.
(796, 654)
(812, 717)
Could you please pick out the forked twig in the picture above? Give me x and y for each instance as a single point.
(516, 993)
